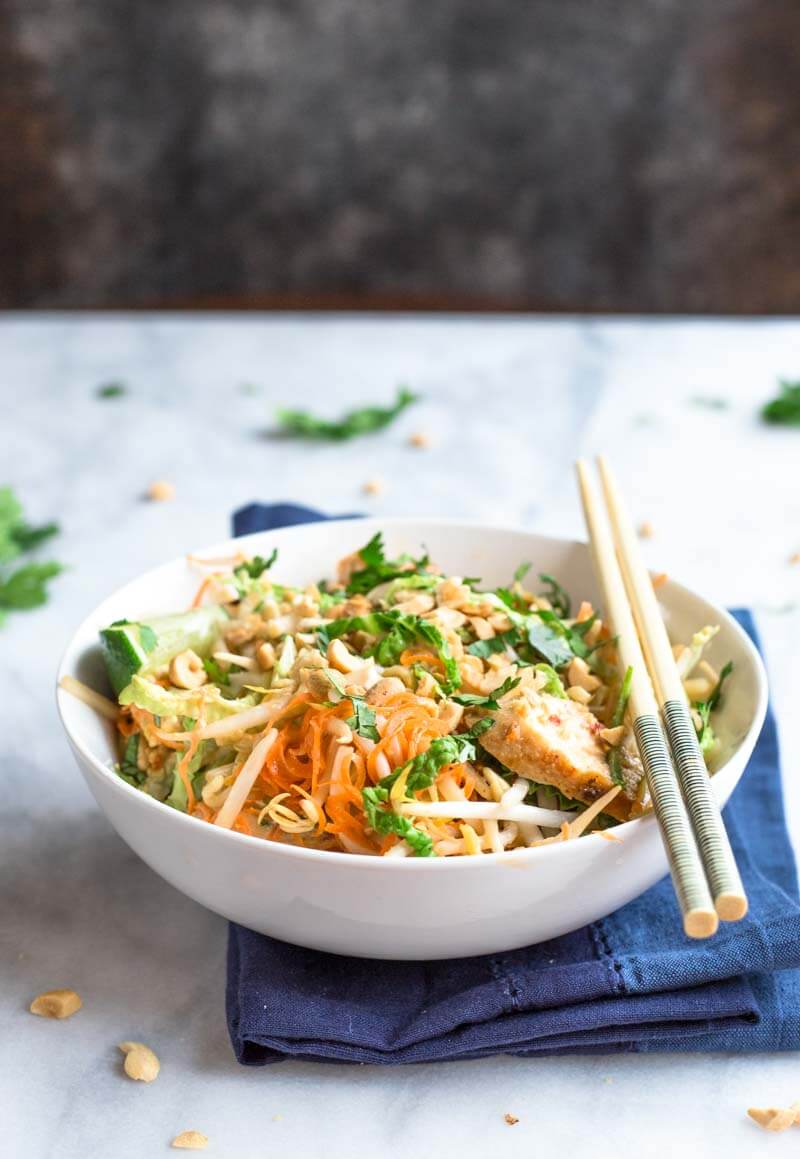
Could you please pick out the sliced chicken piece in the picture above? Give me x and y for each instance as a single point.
(554, 742)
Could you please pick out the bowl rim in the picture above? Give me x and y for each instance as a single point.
(368, 861)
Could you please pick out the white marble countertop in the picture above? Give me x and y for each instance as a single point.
(508, 404)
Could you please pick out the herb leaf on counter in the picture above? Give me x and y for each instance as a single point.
(26, 586)
(362, 421)
(785, 408)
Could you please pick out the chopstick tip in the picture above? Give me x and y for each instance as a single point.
(700, 923)
(731, 907)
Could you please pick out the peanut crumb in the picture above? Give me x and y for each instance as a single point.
(645, 530)
(772, 1118)
(161, 491)
(660, 579)
(373, 487)
(510, 1119)
(794, 557)
(419, 439)
(191, 1141)
(141, 1063)
(56, 1004)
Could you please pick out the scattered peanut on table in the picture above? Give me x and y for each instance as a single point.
(775, 1118)
(56, 1004)
(191, 1141)
(161, 491)
(141, 1063)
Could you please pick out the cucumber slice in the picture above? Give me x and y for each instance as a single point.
(131, 647)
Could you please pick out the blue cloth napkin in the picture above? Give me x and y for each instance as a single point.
(630, 982)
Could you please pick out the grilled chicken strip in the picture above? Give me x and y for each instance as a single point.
(554, 742)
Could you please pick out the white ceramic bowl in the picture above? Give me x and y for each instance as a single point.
(384, 907)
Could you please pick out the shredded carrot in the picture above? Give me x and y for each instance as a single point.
(201, 591)
(421, 656)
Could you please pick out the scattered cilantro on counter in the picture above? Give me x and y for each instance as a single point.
(25, 586)
(363, 421)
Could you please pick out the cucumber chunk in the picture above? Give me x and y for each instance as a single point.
(131, 647)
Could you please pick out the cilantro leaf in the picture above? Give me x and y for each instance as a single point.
(378, 569)
(553, 683)
(498, 643)
(706, 737)
(128, 767)
(521, 572)
(385, 821)
(615, 756)
(16, 535)
(549, 640)
(473, 701)
(554, 592)
(26, 587)
(363, 720)
(254, 568)
(362, 421)
(785, 408)
(112, 390)
(215, 672)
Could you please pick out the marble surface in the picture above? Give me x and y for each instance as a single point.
(508, 404)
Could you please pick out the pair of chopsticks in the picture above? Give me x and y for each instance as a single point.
(701, 861)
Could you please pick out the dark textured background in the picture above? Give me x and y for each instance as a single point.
(566, 154)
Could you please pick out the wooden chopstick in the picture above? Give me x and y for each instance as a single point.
(727, 890)
(688, 877)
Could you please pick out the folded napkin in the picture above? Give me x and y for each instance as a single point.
(630, 982)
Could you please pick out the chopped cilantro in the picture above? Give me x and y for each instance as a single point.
(363, 720)
(615, 756)
(112, 390)
(554, 592)
(491, 701)
(215, 672)
(706, 737)
(378, 569)
(785, 408)
(254, 568)
(362, 421)
(553, 684)
(128, 767)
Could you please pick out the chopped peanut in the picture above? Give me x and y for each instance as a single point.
(141, 1063)
(772, 1118)
(160, 491)
(341, 658)
(419, 439)
(187, 671)
(512, 1120)
(191, 1141)
(56, 1004)
(794, 557)
(645, 530)
(612, 736)
(578, 673)
(373, 487)
(575, 692)
(265, 655)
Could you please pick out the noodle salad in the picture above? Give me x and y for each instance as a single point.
(395, 711)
